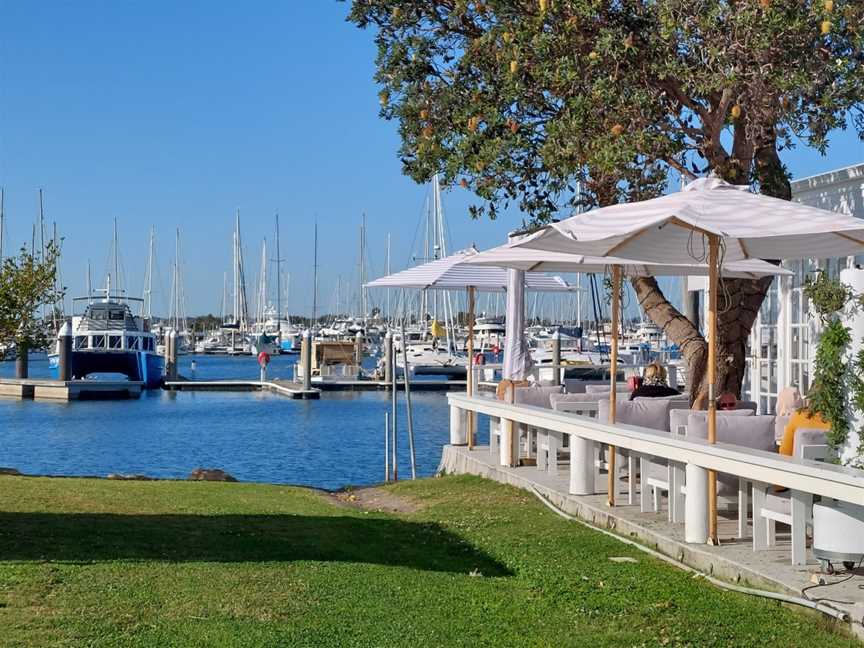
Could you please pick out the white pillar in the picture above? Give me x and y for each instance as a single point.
(458, 428)
(854, 278)
(696, 505)
(581, 466)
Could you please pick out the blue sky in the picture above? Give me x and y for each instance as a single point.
(175, 114)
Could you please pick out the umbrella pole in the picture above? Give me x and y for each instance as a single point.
(713, 286)
(469, 383)
(613, 362)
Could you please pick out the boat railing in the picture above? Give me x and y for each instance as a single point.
(687, 457)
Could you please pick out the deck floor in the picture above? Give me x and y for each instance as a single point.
(733, 560)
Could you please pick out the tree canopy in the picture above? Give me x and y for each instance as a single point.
(27, 283)
(520, 100)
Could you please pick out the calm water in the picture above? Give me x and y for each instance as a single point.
(329, 443)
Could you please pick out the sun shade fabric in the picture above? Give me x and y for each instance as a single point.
(453, 272)
(520, 258)
(517, 356)
(751, 226)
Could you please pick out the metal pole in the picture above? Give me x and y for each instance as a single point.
(409, 413)
(393, 418)
(713, 285)
(469, 383)
(613, 362)
(386, 446)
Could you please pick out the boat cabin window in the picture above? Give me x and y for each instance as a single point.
(115, 341)
(133, 342)
(80, 341)
(98, 342)
(116, 315)
(148, 344)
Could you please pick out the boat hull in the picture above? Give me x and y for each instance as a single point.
(148, 368)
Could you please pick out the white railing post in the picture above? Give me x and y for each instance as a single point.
(458, 427)
(581, 466)
(696, 505)
(509, 443)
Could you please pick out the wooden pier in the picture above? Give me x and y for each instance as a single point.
(66, 390)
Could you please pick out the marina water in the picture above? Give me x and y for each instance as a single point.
(329, 443)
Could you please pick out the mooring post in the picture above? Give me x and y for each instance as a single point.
(64, 351)
(21, 364)
(358, 349)
(306, 359)
(388, 357)
(172, 354)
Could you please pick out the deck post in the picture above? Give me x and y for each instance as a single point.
(696, 505)
(581, 466)
(458, 427)
(22, 369)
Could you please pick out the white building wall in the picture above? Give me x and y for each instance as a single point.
(782, 345)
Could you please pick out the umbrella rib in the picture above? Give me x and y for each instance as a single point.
(744, 248)
(849, 238)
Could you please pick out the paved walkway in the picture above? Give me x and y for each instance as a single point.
(734, 560)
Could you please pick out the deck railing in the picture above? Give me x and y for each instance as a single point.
(695, 457)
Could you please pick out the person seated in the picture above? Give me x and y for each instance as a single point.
(803, 418)
(727, 401)
(654, 384)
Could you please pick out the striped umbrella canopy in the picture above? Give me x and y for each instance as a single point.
(456, 272)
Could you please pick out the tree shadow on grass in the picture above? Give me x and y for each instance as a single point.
(83, 537)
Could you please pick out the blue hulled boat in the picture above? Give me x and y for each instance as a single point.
(109, 339)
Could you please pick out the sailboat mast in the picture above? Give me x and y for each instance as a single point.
(315, 277)
(362, 273)
(278, 283)
(388, 273)
(146, 306)
(89, 285)
(41, 228)
(2, 220)
(116, 255)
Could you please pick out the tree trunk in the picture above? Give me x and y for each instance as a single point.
(677, 328)
(738, 305)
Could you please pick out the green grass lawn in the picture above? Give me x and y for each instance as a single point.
(106, 563)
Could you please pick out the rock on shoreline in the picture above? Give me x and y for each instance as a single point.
(211, 474)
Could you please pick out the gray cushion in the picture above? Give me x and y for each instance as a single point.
(808, 437)
(749, 431)
(593, 389)
(650, 413)
(747, 405)
(755, 432)
(571, 398)
(535, 395)
(678, 417)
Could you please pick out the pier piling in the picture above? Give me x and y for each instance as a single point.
(65, 351)
(306, 359)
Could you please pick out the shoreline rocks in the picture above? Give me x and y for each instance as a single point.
(211, 474)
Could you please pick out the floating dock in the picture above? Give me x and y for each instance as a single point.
(295, 389)
(66, 390)
(282, 387)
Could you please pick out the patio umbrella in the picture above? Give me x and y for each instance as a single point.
(522, 258)
(454, 272)
(713, 221)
